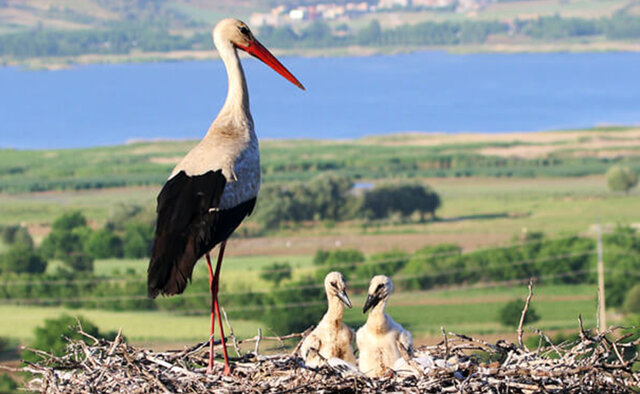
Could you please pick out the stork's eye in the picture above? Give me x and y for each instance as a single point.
(244, 30)
(380, 287)
(334, 284)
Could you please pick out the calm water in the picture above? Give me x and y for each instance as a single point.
(345, 97)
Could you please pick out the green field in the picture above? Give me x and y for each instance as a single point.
(463, 311)
(556, 186)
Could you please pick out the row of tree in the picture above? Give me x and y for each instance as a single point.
(126, 37)
(334, 198)
(561, 261)
(74, 243)
(326, 198)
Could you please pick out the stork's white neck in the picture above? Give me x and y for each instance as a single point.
(236, 107)
(335, 310)
(377, 316)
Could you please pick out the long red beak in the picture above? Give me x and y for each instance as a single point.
(258, 50)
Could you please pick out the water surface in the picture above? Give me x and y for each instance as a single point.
(346, 97)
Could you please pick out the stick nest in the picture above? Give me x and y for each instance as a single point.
(593, 364)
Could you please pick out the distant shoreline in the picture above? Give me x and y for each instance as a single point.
(388, 138)
(60, 63)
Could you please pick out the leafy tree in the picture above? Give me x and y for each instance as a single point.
(276, 272)
(371, 34)
(320, 257)
(433, 266)
(511, 313)
(138, 240)
(621, 179)
(51, 336)
(69, 221)
(66, 241)
(22, 259)
(385, 263)
(384, 200)
(622, 251)
(103, 244)
(343, 260)
(16, 234)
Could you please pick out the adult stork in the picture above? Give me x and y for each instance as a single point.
(215, 186)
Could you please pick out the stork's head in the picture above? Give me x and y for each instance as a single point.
(335, 286)
(235, 33)
(380, 289)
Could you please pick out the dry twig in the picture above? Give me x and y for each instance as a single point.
(524, 315)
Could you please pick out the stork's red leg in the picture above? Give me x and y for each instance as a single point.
(213, 317)
(227, 367)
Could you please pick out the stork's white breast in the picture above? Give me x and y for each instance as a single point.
(244, 183)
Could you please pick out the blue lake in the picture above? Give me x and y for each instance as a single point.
(346, 97)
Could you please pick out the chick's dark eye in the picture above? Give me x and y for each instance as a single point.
(244, 30)
(380, 286)
(334, 284)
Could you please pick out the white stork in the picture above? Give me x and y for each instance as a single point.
(378, 339)
(215, 186)
(331, 338)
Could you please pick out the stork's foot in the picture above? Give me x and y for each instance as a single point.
(227, 371)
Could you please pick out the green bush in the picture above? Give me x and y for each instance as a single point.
(104, 244)
(345, 261)
(511, 313)
(384, 263)
(622, 259)
(22, 259)
(138, 240)
(276, 272)
(11, 235)
(621, 179)
(67, 240)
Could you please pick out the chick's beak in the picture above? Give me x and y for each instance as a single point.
(372, 300)
(342, 295)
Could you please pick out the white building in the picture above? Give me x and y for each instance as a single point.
(298, 14)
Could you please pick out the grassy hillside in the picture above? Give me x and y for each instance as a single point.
(493, 186)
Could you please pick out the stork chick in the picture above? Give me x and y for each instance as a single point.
(331, 338)
(378, 339)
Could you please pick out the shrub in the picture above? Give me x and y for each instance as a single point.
(510, 314)
(385, 263)
(621, 179)
(138, 240)
(276, 272)
(344, 260)
(16, 235)
(103, 244)
(66, 241)
(22, 259)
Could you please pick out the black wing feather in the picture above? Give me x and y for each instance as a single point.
(189, 224)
